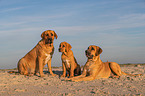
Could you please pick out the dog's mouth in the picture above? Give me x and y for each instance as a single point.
(89, 55)
(49, 41)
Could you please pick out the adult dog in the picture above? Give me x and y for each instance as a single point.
(35, 60)
(96, 69)
(69, 62)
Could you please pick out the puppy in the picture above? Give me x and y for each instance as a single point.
(69, 62)
(35, 60)
(96, 69)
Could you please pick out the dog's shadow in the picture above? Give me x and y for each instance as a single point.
(55, 72)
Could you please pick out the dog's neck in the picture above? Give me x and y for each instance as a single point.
(96, 59)
(65, 54)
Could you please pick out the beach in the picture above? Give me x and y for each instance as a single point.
(19, 85)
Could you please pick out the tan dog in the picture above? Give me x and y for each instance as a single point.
(35, 60)
(96, 69)
(69, 62)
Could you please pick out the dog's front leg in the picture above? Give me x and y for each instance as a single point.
(72, 71)
(93, 73)
(64, 70)
(49, 68)
(88, 78)
(40, 61)
(76, 77)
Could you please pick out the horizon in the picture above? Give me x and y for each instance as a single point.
(117, 26)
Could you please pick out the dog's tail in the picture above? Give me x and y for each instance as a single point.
(130, 74)
(11, 72)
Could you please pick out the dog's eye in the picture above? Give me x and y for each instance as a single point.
(59, 45)
(93, 48)
(51, 34)
(63, 46)
(47, 35)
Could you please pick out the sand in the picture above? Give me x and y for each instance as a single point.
(20, 85)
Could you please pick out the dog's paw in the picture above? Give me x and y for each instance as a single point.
(62, 76)
(37, 74)
(71, 76)
(66, 79)
(42, 75)
(53, 74)
(74, 80)
(30, 75)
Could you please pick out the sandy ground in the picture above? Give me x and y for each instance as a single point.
(20, 85)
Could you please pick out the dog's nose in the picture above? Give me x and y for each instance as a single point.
(86, 51)
(59, 49)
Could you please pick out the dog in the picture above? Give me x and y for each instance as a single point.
(35, 60)
(96, 69)
(69, 62)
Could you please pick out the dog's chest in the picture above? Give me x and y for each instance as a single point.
(67, 63)
(48, 57)
(88, 66)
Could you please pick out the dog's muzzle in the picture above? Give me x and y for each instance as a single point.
(89, 55)
(59, 49)
(49, 40)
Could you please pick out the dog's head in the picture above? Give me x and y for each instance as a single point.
(64, 47)
(48, 36)
(93, 51)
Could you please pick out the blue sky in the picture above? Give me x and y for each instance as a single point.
(117, 26)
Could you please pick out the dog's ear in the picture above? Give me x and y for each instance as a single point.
(98, 50)
(55, 35)
(42, 35)
(68, 47)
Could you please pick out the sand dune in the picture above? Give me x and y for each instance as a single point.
(20, 85)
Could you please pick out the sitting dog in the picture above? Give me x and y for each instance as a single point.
(96, 69)
(35, 60)
(69, 62)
